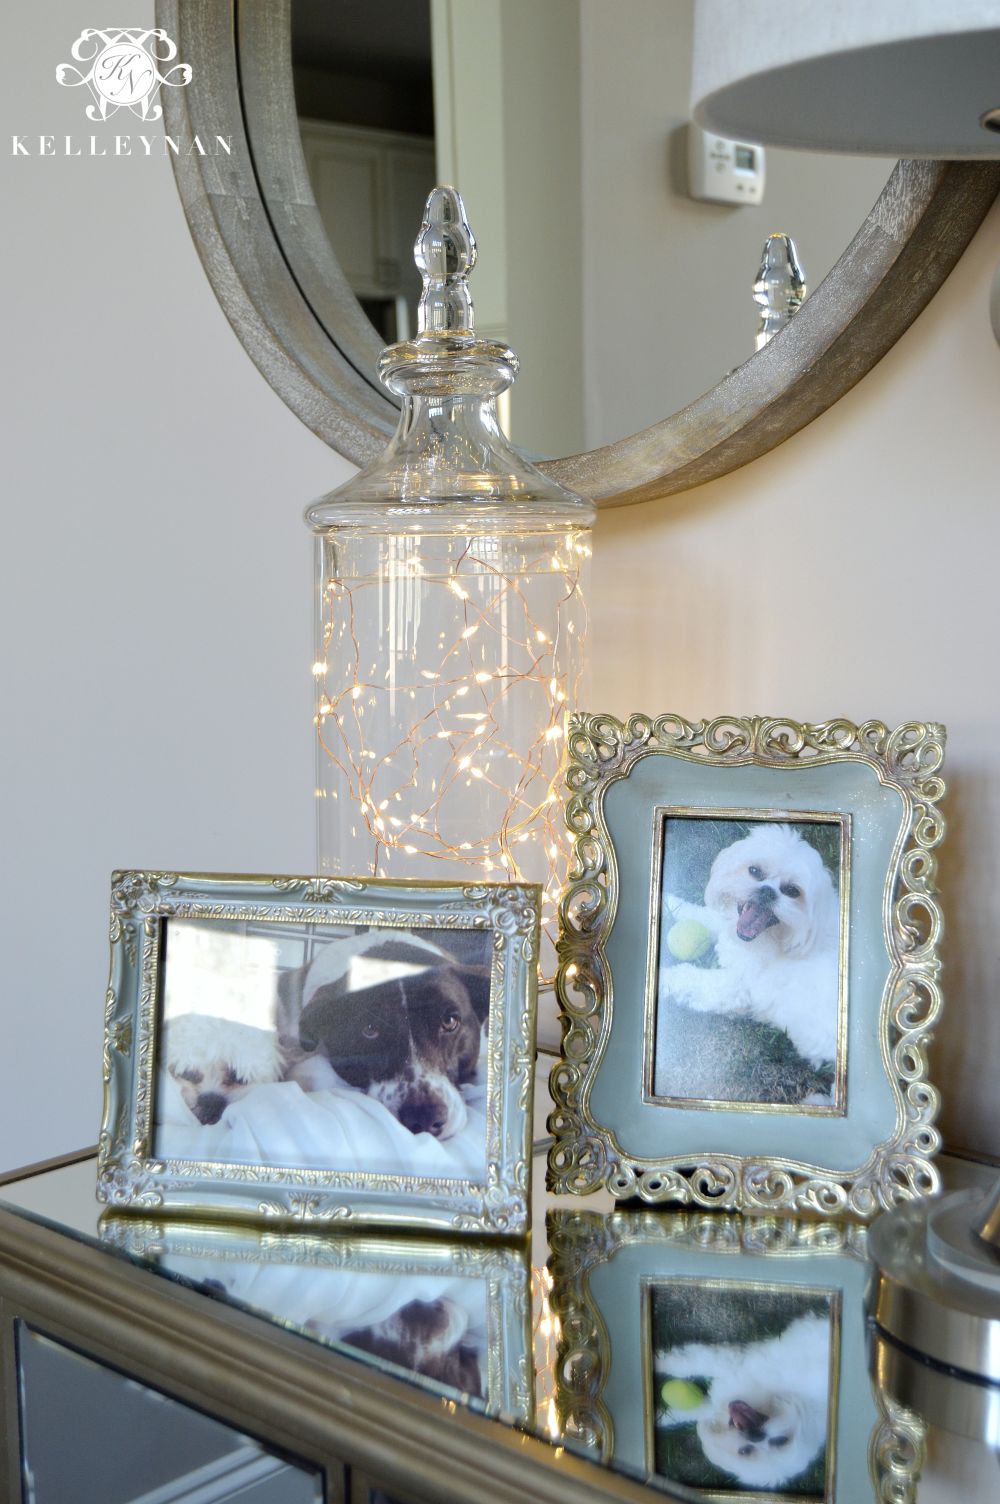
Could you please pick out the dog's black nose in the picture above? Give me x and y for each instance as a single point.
(766, 894)
(210, 1106)
(422, 1115)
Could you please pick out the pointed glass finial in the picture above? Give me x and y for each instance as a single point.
(445, 253)
(446, 356)
(780, 286)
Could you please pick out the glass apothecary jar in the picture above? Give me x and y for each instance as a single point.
(451, 618)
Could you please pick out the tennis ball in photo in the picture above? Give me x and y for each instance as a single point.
(688, 940)
(681, 1394)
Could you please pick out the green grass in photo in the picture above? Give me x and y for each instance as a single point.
(685, 1312)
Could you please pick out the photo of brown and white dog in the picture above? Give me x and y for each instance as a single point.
(396, 1016)
(428, 1337)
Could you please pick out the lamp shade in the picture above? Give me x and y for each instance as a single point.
(909, 78)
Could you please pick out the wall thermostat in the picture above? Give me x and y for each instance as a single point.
(723, 171)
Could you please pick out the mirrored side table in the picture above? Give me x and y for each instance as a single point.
(145, 1361)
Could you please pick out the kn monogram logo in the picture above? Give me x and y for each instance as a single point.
(122, 68)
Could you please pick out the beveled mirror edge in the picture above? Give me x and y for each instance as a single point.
(290, 306)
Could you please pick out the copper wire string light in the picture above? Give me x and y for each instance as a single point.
(410, 742)
(451, 616)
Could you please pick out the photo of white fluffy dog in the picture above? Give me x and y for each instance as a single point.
(772, 910)
(215, 1061)
(764, 1417)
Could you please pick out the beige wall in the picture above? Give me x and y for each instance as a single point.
(156, 601)
(852, 572)
(155, 615)
(564, 125)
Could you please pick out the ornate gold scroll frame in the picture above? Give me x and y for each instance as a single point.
(582, 1242)
(132, 1178)
(586, 1154)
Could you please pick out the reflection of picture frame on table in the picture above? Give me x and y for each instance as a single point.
(329, 1050)
(455, 1315)
(748, 963)
(673, 1325)
(742, 1386)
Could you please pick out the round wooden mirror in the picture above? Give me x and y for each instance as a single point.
(264, 247)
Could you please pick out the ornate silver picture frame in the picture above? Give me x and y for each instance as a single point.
(749, 970)
(452, 1313)
(321, 1050)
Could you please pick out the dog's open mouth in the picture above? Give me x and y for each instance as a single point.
(753, 918)
(745, 1418)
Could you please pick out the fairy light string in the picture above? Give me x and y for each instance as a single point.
(408, 733)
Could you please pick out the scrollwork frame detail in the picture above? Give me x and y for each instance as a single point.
(586, 1155)
(897, 1452)
(581, 1242)
(130, 1176)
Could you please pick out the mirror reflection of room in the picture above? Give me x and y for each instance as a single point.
(566, 128)
(119, 1442)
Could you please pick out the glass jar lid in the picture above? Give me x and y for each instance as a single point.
(449, 466)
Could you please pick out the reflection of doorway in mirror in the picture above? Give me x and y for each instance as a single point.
(364, 95)
(564, 126)
(507, 101)
(394, 95)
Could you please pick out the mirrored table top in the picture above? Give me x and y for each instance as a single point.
(706, 1355)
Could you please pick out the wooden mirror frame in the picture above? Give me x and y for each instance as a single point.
(261, 240)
